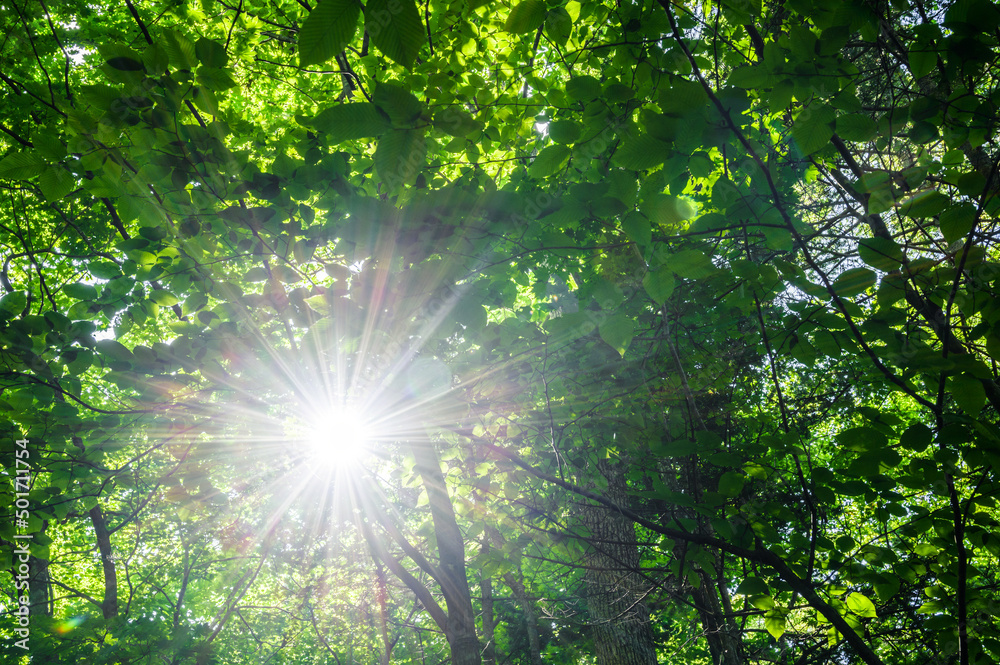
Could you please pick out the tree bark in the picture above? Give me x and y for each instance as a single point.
(516, 584)
(616, 592)
(39, 592)
(465, 647)
(723, 645)
(489, 623)
(109, 608)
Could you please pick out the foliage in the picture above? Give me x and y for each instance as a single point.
(673, 328)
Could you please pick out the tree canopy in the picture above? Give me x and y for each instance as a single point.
(526, 332)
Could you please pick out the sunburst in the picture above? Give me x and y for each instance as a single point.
(339, 436)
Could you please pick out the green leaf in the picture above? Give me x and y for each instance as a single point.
(731, 483)
(856, 127)
(402, 107)
(637, 229)
(922, 59)
(667, 210)
(774, 623)
(125, 64)
(163, 298)
(56, 182)
(113, 350)
(968, 393)
(641, 152)
(709, 223)
(22, 165)
(153, 233)
(346, 122)
(83, 360)
(854, 281)
(256, 274)
(156, 59)
(216, 79)
(862, 439)
(701, 165)
(860, 604)
(455, 121)
(14, 303)
(924, 204)
(881, 253)
(751, 76)
(329, 27)
(395, 29)
(211, 53)
(400, 156)
(972, 184)
(48, 144)
(80, 291)
(924, 132)
(583, 88)
(104, 269)
(180, 50)
(689, 263)
(887, 587)
(917, 437)
(548, 161)
(618, 332)
(558, 25)
(753, 586)
(570, 326)
(957, 221)
(813, 127)
(993, 346)
(564, 131)
(659, 284)
(526, 16)
(781, 96)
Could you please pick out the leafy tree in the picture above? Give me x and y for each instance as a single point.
(640, 331)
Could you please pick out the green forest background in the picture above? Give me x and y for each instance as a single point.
(612, 333)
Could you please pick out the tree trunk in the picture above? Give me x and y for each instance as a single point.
(724, 647)
(516, 584)
(109, 608)
(710, 598)
(618, 614)
(489, 623)
(38, 579)
(465, 647)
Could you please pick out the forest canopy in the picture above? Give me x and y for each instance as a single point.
(401, 331)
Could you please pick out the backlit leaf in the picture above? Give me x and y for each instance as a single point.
(860, 604)
(968, 393)
(659, 284)
(345, 122)
(526, 16)
(813, 127)
(618, 332)
(400, 156)
(881, 253)
(395, 28)
(548, 161)
(854, 281)
(329, 27)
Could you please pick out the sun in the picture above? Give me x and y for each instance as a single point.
(341, 436)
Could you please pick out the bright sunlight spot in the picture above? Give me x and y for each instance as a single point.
(339, 437)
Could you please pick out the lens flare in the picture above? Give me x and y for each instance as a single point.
(341, 436)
